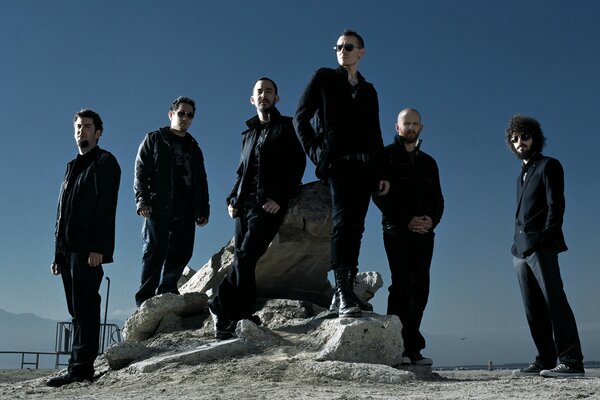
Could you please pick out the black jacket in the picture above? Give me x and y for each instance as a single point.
(343, 125)
(87, 204)
(415, 188)
(540, 207)
(153, 183)
(281, 161)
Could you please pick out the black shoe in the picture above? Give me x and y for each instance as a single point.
(348, 307)
(563, 371)
(532, 369)
(224, 327)
(66, 379)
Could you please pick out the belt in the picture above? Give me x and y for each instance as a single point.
(356, 157)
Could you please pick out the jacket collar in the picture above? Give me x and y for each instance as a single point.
(399, 142)
(254, 122)
(343, 72)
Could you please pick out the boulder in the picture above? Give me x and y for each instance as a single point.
(297, 262)
(144, 322)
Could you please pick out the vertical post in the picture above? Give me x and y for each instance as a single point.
(105, 313)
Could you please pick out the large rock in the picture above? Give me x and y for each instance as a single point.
(146, 320)
(296, 264)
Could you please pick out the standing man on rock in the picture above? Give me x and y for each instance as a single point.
(410, 213)
(347, 149)
(537, 242)
(84, 240)
(268, 176)
(171, 192)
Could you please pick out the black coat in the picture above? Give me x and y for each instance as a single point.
(153, 183)
(85, 220)
(415, 188)
(540, 207)
(281, 161)
(343, 125)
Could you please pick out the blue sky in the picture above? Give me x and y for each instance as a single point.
(467, 66)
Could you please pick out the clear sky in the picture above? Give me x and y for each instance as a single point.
(466, 65)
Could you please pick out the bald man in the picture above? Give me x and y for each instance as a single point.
(410, 212)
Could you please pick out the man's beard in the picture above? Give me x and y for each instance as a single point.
(265, 108)
(83, 143)
(525, 155)
(411, 139)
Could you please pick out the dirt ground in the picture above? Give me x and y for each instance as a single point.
(260, 378)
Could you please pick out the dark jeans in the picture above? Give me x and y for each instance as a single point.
(254, 231)
(351, 187)
(167, 242)
(551, 320)
(409, 256)
(82, 283)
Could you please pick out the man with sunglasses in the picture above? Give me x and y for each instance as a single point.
(268, 176)
(346, 146)
(538, 240)
(171, 193)
(410, 213)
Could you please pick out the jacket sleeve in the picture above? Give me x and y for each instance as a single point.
(203, 182)
(377, 141)
(108, 179)
(144, 167)
(553, 178)
(438, 200)
(292, 170)
(310, 101)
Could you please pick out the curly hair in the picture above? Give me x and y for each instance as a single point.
(520, 124)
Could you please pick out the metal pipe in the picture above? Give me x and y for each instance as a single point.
(105, 313)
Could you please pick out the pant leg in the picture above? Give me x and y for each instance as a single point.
(350, 188)
(536, 312)
(82, 283)
(255, 229)
(409, 256)
(544, 265)
(179, 253)
(155, 244)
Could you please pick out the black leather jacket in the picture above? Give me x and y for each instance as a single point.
(85, 219)
(153, 183)
(344, 125)
(281, 162)
(415, 188)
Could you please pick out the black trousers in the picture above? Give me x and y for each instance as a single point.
(550, 318)
(409, 255)
(351, 187)
(254, 231)
(82, 283)
(167, 242)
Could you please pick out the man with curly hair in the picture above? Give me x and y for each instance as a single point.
(537, 242)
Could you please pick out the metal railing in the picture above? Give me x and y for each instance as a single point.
(109, 334)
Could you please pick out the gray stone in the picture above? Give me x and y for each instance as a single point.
(367, 284)
(373, 339)
(358, 372)
(147, 318)
(122, 354)
(296, 264)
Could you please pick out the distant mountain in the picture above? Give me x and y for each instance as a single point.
(24, 332)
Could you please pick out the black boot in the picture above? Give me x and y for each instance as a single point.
(344, 293)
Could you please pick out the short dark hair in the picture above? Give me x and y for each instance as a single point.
(519, 124)
(89, 113)
(350, 32)
(182, 99)
(264, 78)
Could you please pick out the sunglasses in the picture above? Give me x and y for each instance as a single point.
(188, 114)
(348, 47)
(523, 136)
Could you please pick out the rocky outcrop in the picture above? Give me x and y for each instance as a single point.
(296, 264)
